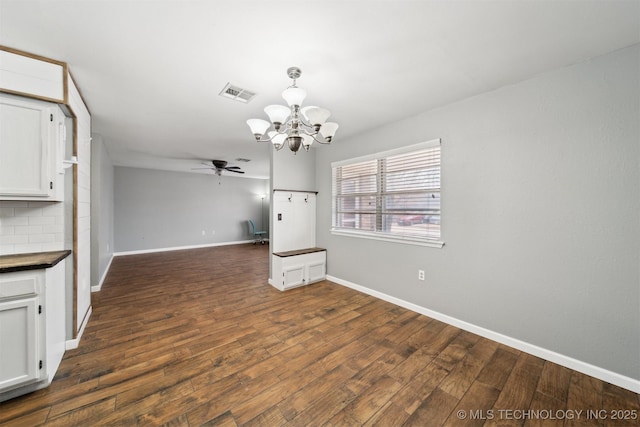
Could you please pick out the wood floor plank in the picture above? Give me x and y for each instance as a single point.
(367, 403)
(585, 394)
(389, 415)
(411, 396)
(198, 338)
(474, 409)
(464, 373)
(434, 410)
(324, 408)
(496, 372)
(34, 418)
(555, 381)
(518, 391)
(304, 397)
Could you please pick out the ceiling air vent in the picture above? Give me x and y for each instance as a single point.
(237, 93)
(240, 159)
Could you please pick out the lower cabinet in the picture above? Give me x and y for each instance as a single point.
(32, 329)
(297, 268)
(21, 347)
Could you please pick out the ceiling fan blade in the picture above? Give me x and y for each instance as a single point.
(236, 171)
(200, 168)
(232, 167)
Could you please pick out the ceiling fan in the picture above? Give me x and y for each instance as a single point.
(220, 165)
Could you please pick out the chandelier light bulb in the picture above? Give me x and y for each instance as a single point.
(277, 113)
(315, 116)
(294, 96)
(258, 127)
(328, 130)
(277, 139)
(307, 141)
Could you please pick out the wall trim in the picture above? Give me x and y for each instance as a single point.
(98, 287)
(550, 355)
(180, 248)
(75, 342)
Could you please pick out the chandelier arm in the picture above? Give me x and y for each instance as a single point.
(317, 140)
(261, 139)
(301, 118)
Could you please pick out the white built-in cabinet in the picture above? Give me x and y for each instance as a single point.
(297, 268)
(32, 142)
(33, 157)
(32, 328)
(295, 260)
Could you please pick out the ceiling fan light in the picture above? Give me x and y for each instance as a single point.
(315, 116)
(277, 113)
(294, 96)
(328, 130)
(258, 127)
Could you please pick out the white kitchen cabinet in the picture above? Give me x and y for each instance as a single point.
(20, 353)
(297, 268)
(32, 328)
(32, 136)
(31, 75)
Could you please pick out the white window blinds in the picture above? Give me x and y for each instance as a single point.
(394, 195)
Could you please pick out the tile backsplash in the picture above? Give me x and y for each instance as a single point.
(31, 227)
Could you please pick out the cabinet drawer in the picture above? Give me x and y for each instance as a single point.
(19, 284)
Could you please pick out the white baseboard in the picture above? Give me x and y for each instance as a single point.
(180, 248)
(75, 342)
(566, 361)
(98, 287)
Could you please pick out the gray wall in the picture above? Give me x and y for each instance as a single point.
(160, 209)
(102, 235)
(540, 213)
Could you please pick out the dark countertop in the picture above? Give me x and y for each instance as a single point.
(32, 261)
(298, 252)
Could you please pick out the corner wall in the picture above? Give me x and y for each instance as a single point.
(102, 179)
(540, 214)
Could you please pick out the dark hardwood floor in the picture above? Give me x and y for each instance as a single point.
(198, 337)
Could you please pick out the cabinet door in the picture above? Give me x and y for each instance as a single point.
(25, 128)
(293, 275)
(19, 352)
(316, 271)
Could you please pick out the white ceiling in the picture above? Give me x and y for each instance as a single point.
(151, 71)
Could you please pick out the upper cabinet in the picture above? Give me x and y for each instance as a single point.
(32, 126)
(32, 75)
(32, 136)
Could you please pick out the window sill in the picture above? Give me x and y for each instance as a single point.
(387, 238)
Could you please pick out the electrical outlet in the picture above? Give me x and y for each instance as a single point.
(203, 232)
(420, 274)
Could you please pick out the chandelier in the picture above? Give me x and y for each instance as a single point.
(294, 125)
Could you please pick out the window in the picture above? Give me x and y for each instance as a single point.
(394, 195)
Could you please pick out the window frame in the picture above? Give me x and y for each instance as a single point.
(380, 235)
